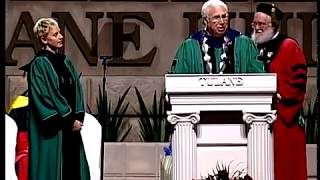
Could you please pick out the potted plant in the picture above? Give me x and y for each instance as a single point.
(112, 119)
(311, 123)
(153, 122)
(222, 172)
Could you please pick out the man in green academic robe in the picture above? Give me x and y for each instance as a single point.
(217, 49)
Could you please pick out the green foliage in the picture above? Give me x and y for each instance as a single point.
(112, 119)
(152, 122)
(311, 124)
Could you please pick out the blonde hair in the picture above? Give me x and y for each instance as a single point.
(211, 3)
(42, 26)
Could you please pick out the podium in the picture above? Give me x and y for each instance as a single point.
(192, 95)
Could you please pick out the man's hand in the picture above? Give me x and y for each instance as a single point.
(77, 125)
(279, 97)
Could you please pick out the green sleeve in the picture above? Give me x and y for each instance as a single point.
(188, 59)
(245, 55)
(44, 93)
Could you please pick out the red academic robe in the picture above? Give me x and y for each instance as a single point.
(22, 157)
(289, 137)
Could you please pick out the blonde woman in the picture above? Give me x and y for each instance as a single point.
(56, 111)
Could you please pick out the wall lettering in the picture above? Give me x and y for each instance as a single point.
(66, 20)
(119, 37)
(26, 20)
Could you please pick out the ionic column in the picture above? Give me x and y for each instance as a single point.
(260, 145)
(184, 146)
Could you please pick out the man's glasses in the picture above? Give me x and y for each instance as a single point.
(217, 18)
(260, 24)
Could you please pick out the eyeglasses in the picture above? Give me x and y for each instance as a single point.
(217, 18)
(260, 24)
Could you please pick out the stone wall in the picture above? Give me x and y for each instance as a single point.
(159, 25)
(141, 161)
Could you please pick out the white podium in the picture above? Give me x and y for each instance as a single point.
(249, 94)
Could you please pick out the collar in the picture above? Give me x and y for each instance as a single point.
(215, 42)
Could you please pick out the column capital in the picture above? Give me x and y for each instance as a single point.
(268, 117)
(193, 118)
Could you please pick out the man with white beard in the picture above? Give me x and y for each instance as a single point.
(283, 56)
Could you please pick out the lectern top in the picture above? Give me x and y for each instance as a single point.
(220, 83)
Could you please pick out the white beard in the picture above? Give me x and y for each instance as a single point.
(262, 37)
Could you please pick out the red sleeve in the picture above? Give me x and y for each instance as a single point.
(292, 81)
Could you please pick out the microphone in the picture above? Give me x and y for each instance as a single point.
(105, 57)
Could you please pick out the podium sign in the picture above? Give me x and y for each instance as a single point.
(197, 92)
(240, 83)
